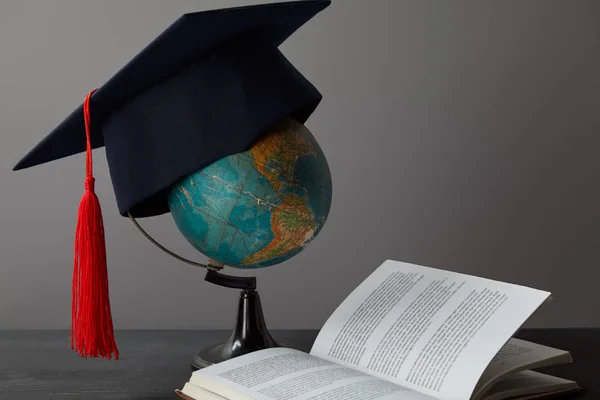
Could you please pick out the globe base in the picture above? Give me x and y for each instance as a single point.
(250, 333)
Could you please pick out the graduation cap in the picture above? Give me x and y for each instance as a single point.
(205, 88)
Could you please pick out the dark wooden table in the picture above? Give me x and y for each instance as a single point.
(39, 365)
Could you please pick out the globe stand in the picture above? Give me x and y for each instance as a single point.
(250, 332)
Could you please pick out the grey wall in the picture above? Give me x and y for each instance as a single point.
(460, 135)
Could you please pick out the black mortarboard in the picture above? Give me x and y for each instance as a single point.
(206, 88)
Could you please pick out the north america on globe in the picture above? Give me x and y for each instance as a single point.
(260, 207)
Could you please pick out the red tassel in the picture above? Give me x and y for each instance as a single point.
(91, 324)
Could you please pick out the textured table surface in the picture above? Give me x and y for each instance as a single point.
(39, 365)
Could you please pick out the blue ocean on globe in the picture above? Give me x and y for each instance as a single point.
(260, 207)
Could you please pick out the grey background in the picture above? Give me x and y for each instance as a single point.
(460, 135)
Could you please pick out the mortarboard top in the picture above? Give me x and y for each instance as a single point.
(205, 88)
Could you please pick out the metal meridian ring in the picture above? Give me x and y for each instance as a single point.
(213, 267)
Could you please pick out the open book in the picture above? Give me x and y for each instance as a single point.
(407, 332)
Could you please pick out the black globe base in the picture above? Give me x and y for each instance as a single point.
(249, 334)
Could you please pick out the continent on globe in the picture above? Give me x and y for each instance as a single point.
(259, 207)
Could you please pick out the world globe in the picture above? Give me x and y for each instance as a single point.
(259, 207)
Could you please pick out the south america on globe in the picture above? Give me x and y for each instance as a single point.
(259, 207)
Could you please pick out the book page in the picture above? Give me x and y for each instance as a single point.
(430, 330)
(282, 374)
(528, 385)
(518, 355)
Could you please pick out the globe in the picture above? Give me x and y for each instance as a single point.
(259, 207)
